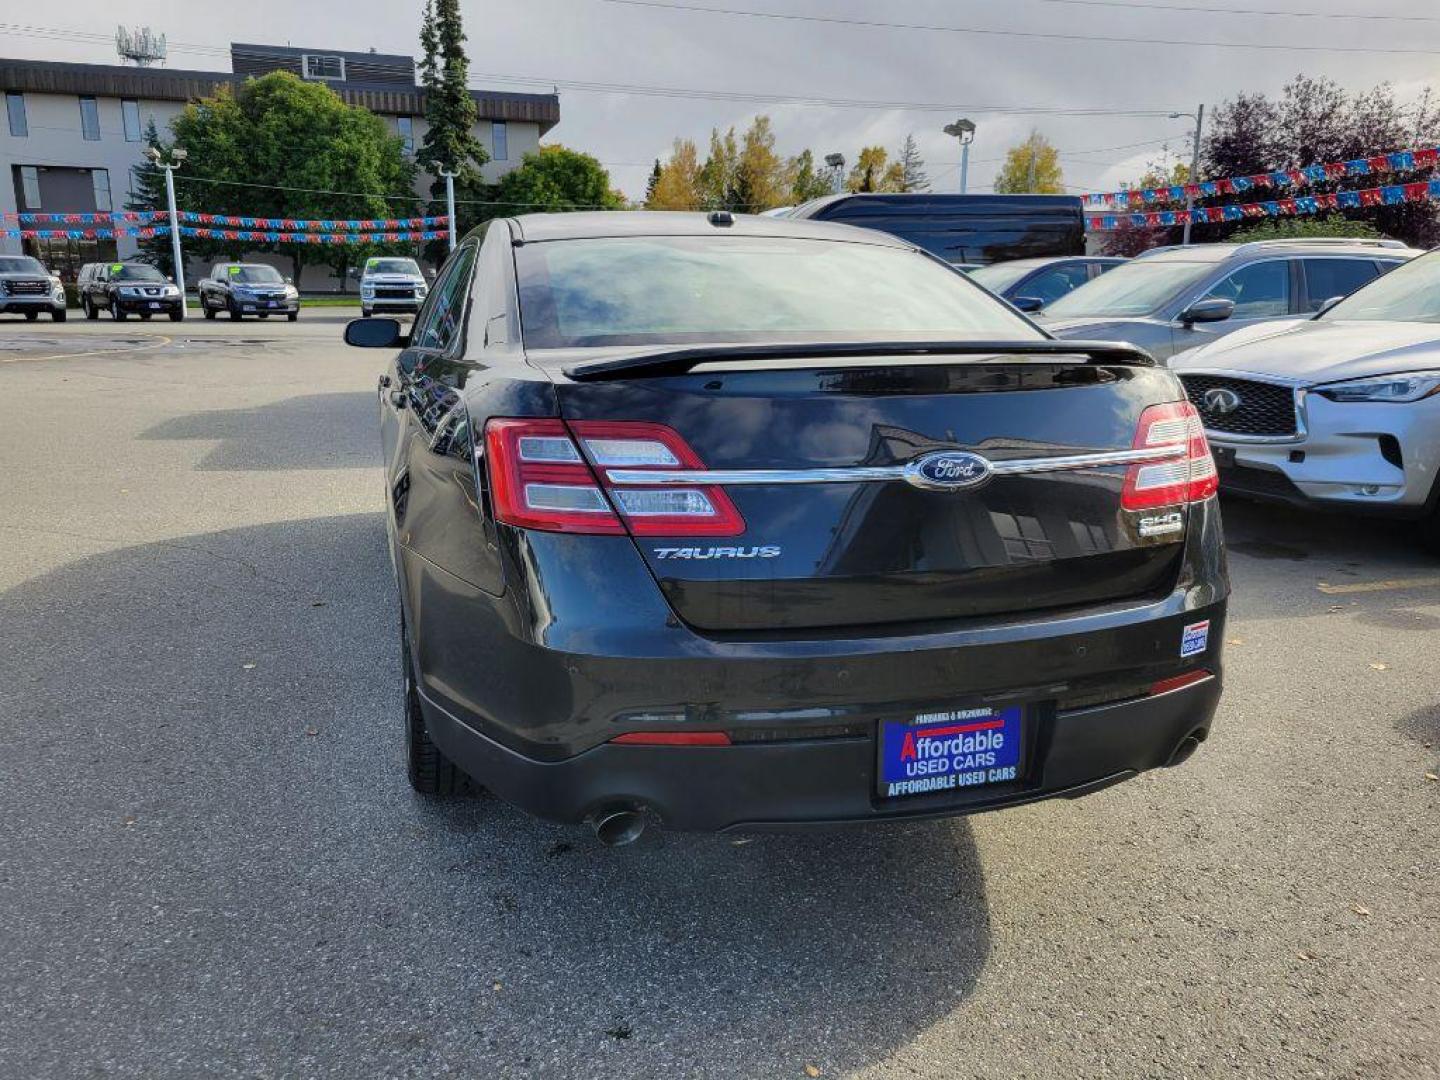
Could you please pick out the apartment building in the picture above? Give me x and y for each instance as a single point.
(72, 134)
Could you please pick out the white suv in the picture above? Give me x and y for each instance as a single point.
(1341, 410)
(391, 284)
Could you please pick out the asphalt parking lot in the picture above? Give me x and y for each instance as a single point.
(213, 866)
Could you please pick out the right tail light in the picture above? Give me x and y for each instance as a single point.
(1186, 478)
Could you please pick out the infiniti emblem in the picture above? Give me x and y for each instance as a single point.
(948, 470)
(1220, 400)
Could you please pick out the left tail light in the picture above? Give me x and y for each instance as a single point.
(541, 479)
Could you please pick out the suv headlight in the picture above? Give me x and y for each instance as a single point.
(129, 290)
(291, 292)
(1398, 389)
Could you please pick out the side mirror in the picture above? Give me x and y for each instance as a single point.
(1028, 303)
(1327, 305)
(375, 334)
(1215, 309)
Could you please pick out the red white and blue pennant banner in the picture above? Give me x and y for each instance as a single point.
(1395, 162)
(142, 233)
(1390, 195)
(350, 225)
(252, 236)
(102, 220)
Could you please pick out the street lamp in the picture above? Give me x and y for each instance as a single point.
(1199, 117)
(449, 175)
(964, 130)
(836, 164)
(178, 155)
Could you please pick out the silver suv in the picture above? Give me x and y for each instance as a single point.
(1341, 410)
(1172, 299)
(391, 284)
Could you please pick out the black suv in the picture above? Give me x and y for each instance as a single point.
(248, 289)
(125, 289)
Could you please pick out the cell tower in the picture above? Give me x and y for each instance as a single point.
(142, 47)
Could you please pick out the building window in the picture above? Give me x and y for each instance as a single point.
(90, 119)
(324, 67)
(406, 126)
(499, 140)
(101, 180)
(30, 186)
(15, 106)
(130, 110)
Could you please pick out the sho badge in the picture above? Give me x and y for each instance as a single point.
(766, 551)
(1161, 524)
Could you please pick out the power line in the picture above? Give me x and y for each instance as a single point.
(843, 103)
(1276, 13)
(874, 24)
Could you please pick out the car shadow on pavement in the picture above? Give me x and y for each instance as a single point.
(313, 431)
(215, 865)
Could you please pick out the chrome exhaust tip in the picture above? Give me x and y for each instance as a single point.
(616, 828)
(1186, 748)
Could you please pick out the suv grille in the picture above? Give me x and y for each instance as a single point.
(1263, 409)
(27, 288)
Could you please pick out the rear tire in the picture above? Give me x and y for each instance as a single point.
(429, 770)
(1430, 531)
(91, 311)
(206, 308)
(175, 316)
(293, 316)
(234, 311)
(115, 312)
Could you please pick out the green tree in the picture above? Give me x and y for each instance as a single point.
(280, 147)
(1032, 167)
(806, 182)
(759, 171)
(653, 182)
(1332, 225)
(719, 176)
(912, 167)
(555, 180)
(450, 112)
(678, 186)
(147, 192)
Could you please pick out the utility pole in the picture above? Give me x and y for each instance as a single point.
(450, 203)
(836, 164)
(964, 130)
(178, 156)
(1199, 117)
(1030, 180)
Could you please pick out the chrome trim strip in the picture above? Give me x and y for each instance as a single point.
(880, 473)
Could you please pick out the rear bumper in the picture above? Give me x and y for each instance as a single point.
(391, 304)
(807, 782)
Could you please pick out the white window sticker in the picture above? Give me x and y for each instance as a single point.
(1195, 639)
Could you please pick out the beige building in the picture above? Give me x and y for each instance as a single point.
(71, 134)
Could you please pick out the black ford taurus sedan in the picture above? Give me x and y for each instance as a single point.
(736, 522)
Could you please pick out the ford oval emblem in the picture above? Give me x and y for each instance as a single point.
(948, 470)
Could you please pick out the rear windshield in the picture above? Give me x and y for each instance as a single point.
(20, 264)
(136, 272)
(1409, 293)
(392, 266)
(678, 289)
(254, 274)
(1137, 288)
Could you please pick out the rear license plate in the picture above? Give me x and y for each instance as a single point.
(944, 751)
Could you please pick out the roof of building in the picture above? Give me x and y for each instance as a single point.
(175, 84)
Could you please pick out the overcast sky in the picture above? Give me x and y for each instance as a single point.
(600, 41)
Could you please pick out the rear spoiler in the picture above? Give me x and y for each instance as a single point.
(679, 361)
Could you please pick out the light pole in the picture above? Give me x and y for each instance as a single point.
(177, 158)
(449, 176)
(1199, 117)
(836, 164)
(964, 130)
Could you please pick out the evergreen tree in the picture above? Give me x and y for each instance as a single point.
(650, 185)
(148, 193)
(450, 113)
(912, 167)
